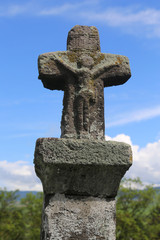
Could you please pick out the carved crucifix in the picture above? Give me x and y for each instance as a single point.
(82, 72)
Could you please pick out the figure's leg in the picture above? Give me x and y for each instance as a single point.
(79, 115)
(67, 123)
(86, 115)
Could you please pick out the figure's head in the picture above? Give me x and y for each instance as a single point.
(83, 38)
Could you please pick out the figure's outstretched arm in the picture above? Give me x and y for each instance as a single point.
(114, 70)
(53, 71)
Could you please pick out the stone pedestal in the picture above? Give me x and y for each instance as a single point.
(80, 181)
(83, 218)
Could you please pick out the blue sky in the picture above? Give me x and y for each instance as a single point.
(28, 111)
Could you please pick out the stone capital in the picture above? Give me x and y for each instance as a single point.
(81, 167)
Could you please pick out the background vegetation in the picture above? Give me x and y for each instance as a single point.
(20, 220)
(138, 213)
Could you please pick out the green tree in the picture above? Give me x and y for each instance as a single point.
(11, 218)
(32, 210)
(20, 220)
(153, 217)
(137, 211)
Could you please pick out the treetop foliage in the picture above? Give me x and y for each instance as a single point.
(20, 220)
(138, 211)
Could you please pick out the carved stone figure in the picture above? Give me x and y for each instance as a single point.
(82, 72)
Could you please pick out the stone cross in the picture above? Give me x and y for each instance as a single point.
(79, 172)
(82, 72)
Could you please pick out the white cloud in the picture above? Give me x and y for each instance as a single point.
(135, 116)
(58, 10)
(129, 19)
(15, 9)
(18, 175)
(69, 9)
(146, 161)
(17, 168)
(144, 21)
(39, 9)
(126, 16)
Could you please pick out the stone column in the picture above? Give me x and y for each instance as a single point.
(80, 181)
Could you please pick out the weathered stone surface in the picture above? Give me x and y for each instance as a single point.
(81, 172)
(81, 167)
(77, 218)
(82, 72)
(83, 38)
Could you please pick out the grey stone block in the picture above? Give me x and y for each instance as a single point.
(81, 167)
(76, 218)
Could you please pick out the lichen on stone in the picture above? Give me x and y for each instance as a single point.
(72, 56)
(97, 57)
(119, 60)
